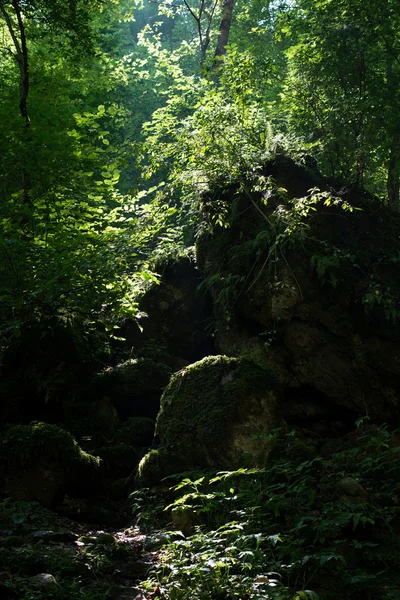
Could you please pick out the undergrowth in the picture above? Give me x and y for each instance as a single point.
(305, 527)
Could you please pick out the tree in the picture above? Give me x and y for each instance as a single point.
(343, 88)
(224, 30)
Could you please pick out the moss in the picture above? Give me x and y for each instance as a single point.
(134, 386)
(21, 446)
(215, 413)
(158, 464)
(43, 462)
(143, 373)
(95, 420)
(202, 400)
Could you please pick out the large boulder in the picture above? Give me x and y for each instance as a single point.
(41, 462)
(216, 413)
(310, 285)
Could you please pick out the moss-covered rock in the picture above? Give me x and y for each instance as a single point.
(49, 363)
(42, 462)
(120, 488)
(313, 285)
(216, 413)
(134, 386)
(159, 464)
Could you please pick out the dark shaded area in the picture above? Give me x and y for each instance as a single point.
(179, 316)
(309, 409)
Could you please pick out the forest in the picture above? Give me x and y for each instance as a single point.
(199, 299)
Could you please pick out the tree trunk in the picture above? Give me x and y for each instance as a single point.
(393, 179)
(224, 29)
(18, 37)
(393, 131)
(23, 66)
(21, 55)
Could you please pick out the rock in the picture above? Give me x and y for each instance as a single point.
(91, 421)
(183, 518)
(49, 360)
(44, 581)
(217, 413)
(350, 487)
(177, 312)
(134, 386)
(308, 305)
(106, 539)
(55, 536)
(41, 462)
(132, 569)
(87, 539)
(121, 488)
(136, 431)
(158, 464)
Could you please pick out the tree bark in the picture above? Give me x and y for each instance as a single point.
(393, 179)
(23, 66)
(393, 173)
(18, 37)
(224, 30)
(21, 55)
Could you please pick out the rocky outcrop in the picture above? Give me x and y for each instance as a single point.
(216, 413)
(309, 284)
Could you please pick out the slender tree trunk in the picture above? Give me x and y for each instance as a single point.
(18, 35)
(224, 30)
(21, 55)
(23, 65)
(393, 179)
(393, 173)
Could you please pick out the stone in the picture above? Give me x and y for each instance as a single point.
(42, 462)
(216, 413)
(55, 536)
(106, 539)
(183, 519)
(137, 432)
(134, 386)
(350, 487)
(44, 581)
(177, 312)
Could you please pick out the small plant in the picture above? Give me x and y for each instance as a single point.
(289, 531)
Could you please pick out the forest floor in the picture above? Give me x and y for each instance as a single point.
(47, 555)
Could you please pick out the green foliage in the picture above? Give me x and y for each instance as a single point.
(226, 134)
(342, 73)
(287, 527)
